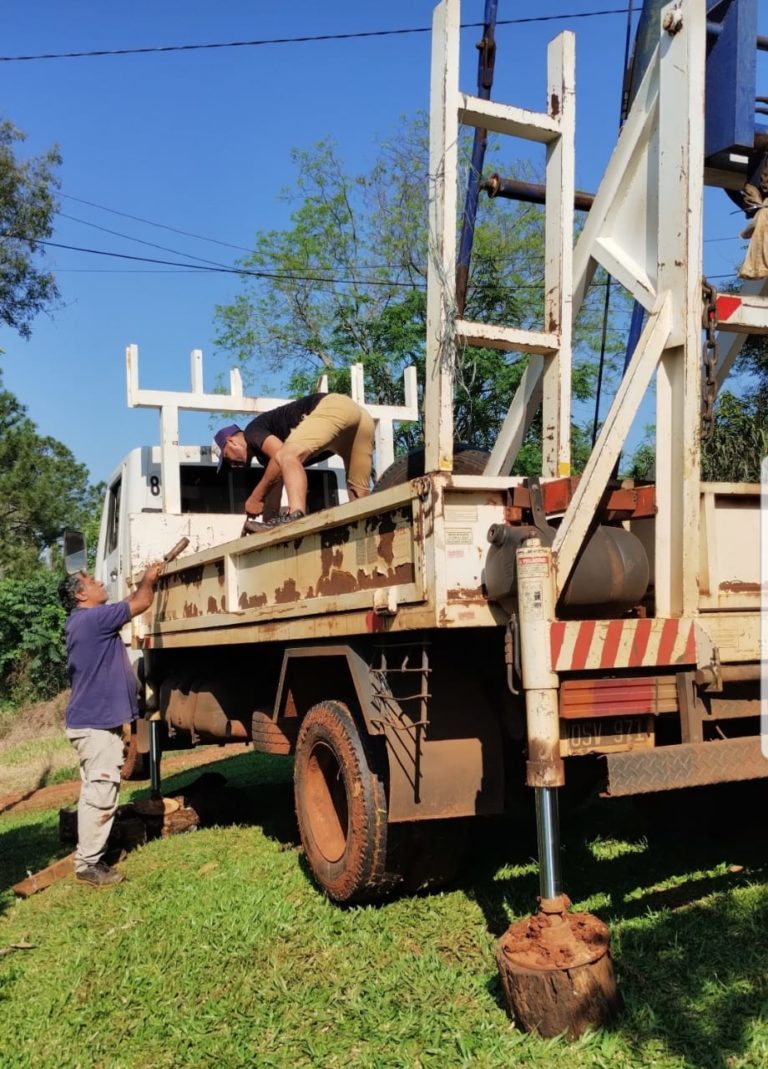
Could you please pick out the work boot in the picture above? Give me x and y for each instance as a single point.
(289, 517)
(99, 875)
(253, 527)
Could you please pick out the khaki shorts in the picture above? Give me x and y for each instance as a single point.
(343, 427)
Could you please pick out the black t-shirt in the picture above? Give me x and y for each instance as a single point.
(279, 422)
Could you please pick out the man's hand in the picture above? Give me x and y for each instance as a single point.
(254, 506)
(142, 596)
(152, 574)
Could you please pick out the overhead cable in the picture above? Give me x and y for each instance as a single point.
(299, 40)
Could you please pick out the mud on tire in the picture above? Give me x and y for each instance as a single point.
(341, 805)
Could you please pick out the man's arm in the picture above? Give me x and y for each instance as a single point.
(141, 598)
(271, 445)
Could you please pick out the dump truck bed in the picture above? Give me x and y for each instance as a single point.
(412, 557)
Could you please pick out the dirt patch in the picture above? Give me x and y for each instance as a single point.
(556, 942)
(62, 794)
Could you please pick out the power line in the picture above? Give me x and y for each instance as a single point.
(278, 276)
(150, 222)
(300, 40)
(141, 241)
(185, 233)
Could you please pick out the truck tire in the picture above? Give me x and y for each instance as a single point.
(134, 763)
(341, 805)
(467, 461)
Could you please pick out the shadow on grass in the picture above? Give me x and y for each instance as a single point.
(249, 789)
(691, 959)
(25, 849)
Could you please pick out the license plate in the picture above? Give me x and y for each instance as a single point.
(605, 734)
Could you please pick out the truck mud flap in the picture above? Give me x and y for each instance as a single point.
(693, 764)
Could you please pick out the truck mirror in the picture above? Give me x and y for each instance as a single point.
(75, 559)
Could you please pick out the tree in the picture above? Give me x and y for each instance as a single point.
(346, 282)
(27, 207)
(33, 663)
(43, 489)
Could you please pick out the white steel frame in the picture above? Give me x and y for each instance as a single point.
(645, 229)
(169, 402)
(548, 378)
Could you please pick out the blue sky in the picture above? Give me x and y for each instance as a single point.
(201, 141)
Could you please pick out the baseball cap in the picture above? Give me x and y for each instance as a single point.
(220, 439)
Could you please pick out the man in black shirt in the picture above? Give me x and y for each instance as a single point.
(288, 437)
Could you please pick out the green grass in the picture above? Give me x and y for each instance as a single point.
(218, 951)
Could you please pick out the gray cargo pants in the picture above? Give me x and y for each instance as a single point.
(101, 758)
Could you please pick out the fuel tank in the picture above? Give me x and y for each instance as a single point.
(610, 577)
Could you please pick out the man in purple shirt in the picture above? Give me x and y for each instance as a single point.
(103, 699)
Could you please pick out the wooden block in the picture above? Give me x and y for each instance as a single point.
(185, 819)
(40, 880)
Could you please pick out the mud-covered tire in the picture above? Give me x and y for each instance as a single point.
(466, 461)
(341, 805)
(134, 763)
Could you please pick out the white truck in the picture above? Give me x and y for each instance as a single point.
(462, 629)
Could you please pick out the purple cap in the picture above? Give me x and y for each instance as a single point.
(221, 438)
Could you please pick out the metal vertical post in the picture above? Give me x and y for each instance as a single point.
(682, 50)
(544, 768)
(154, 755)
(441, 274)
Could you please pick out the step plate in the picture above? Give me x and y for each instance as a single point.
(693, 764)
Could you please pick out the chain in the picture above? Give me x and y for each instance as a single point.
(709, 357)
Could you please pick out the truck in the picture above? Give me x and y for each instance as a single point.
(463, 631)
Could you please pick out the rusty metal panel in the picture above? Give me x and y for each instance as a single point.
(373, 561)
(693, 764)
(442, 729)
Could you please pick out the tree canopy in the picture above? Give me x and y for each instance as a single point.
(43, 489)
(27, 207)
(345, 281)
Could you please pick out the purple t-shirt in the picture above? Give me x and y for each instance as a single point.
(102, 680)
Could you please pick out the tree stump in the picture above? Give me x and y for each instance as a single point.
(557, 974)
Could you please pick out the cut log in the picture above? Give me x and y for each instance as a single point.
(185, 819)
(40, 880)
(156, 807)
(557, 974)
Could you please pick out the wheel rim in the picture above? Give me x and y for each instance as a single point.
(327, 809)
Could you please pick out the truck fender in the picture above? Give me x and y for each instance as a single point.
(454, 770)
(311, 674)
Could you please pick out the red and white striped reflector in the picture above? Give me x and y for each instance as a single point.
(596, 644)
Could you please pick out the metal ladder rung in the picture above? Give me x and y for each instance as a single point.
(508, 339)
(507, 119)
